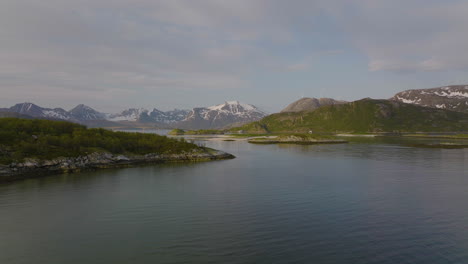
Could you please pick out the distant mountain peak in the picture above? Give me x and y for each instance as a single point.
(34, 110)
(148, 116)
(83, 106)
(131, 114)
(24, 107)
(221, 115)
(452, 97)
(83, 112)
(215, 116)
(234, 106)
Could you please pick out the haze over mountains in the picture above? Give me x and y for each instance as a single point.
(148, 116)
(234, 113)
(221, 115)
(211, 117)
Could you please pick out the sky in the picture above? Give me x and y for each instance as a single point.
(165, 54)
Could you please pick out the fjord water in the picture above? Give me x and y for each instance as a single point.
(366, 202)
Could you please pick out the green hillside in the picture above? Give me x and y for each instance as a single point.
(363, 116)
(45, 139)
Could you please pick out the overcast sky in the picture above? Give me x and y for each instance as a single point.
(114, 54)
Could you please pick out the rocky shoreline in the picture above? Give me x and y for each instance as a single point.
(298, 142)
(33, 168)
(291, 139)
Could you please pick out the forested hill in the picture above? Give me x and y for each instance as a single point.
(45, 139)
(363, 116)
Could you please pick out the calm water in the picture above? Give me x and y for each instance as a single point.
(356, 203)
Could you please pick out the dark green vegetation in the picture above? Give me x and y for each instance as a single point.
(250, 135)
(13, 114)
(204, 132)
(176, 132)
(45, 139)
(180, 132)
(363, 116)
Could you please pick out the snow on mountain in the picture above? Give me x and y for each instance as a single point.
(233, 106)
(33, 110)
(453, 97)
(145, 115)
(83, 113)
(167, 117)
(132, 114)
(218, 116)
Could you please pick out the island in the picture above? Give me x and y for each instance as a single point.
(181, 132)
(33, 147)
(305, 139)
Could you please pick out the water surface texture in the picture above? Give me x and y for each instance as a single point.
(351, 203)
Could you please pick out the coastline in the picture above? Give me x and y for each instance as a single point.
(31, 168)
(300, 142)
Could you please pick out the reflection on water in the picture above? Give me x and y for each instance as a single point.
(370, 201)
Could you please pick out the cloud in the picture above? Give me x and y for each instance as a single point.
(146, 48)
(137, 45)
(297, 67)
(405, 36)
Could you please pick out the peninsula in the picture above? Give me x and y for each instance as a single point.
(30, 148)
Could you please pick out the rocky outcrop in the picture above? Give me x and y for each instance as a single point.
(310, 104)
(34, 168)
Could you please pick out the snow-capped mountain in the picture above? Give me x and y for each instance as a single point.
(310, 104)
(453, 97)
(132, 114)
(167, 117)
(83, 113)
(145, 115)
(33, 110)
(221, 115)
(198, 118)
(216, 116)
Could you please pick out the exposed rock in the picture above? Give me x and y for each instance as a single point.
(31, 167)
(454, 98)
(310, 104)
(219, 116)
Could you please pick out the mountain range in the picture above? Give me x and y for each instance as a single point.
(212, 117)
(222, 115)
(438, 109)
(362, 116)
